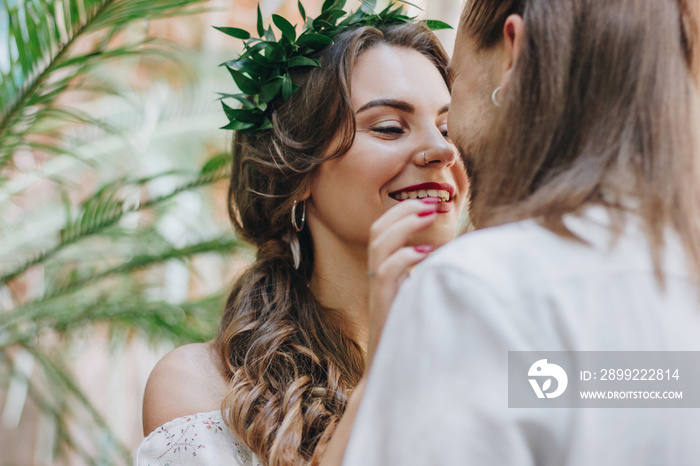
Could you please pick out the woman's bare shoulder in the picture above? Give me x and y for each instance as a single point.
(187, 380)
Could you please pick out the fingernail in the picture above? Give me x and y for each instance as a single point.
(424, 248)
(426, 213)
(430, 200)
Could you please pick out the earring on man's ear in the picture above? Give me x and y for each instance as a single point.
(296, 225)
(494, 96)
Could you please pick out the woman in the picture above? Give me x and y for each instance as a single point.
(357, 158)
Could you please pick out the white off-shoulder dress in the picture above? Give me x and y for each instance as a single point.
(198, 439)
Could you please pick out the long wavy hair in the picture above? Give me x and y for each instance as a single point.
(602, 108)
(291, 368)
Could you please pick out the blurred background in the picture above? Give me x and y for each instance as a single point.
(115, 244)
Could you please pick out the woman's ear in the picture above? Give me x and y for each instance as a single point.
(305, 196)
(513, 37)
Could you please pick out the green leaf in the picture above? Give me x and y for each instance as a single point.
(248, 66)
(313, 40)
(270, 90)
(241, 98)
(261, 28)
(252, 49)
(216, 163)
(387, 12)
(287, 87)
(332, 5)
(324, 26)
(234, 32)
(244, 115)
(270, 35)
(302, 61)
(368, 6)
(403, 18)
(331, 16)
(435, 24)
(302, 11)
(353, 18)
(244, 83)
(276, 52)
(262, 61)
(238, 126)
(267, 124)
(288, 30)
(43, 42)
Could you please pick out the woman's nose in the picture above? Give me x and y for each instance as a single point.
(436, 152)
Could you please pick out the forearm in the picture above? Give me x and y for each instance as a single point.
(333, 455)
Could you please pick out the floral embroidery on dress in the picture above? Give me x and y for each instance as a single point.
(212, 425)
(197, 439)
(184, 441)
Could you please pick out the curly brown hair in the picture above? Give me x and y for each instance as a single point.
(290, 365)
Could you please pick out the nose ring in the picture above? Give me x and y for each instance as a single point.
(424, 160)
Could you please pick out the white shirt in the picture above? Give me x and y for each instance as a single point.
(437, 390)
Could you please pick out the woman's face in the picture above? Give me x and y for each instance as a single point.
(400, 102)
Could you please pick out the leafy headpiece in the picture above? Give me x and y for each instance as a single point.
(262, 71)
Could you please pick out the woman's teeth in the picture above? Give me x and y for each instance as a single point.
(441, 194)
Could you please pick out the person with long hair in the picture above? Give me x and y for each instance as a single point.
(352, 182)
(578, 124)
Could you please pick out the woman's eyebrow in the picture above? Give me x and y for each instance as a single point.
(393, 103)
(397, 104)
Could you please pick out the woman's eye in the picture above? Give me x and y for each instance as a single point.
(445, 133)
(388, 129)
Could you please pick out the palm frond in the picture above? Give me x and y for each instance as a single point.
(105, 194)
(83, 276)
(42, 63)
(106, 207)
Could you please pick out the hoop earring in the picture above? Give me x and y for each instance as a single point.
(296, 226)
(494, 94)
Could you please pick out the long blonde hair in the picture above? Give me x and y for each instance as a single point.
(291, 367)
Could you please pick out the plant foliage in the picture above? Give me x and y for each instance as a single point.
(262, 71)
(86, 236)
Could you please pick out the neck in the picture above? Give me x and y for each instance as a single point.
(340, 283)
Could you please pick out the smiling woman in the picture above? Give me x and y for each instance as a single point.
(327, 193)
(402, 103)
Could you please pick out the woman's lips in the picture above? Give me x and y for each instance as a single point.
(442, 191)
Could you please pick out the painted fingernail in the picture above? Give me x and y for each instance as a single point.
(430, 200)
(426, 213)
(424, 248)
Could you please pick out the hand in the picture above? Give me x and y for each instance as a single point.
(391, 259)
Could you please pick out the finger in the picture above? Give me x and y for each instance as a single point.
(398, 264)
(399, 211)
(396, 236)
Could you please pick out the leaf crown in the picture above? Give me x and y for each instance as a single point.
(262, 71)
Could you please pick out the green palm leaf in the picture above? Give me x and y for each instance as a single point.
(43, 62)
(99, 238)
